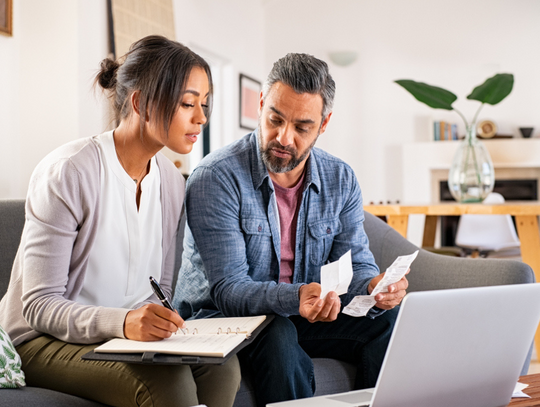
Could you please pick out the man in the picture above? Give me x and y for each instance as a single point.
(264, 214)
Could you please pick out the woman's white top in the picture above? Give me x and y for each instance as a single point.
(128, 245)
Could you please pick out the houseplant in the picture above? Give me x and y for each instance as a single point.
(471, 177)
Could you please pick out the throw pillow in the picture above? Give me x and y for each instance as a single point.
(11, 374)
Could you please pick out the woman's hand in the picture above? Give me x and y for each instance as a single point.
(151, 322)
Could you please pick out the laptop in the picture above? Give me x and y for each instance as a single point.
(459, 347)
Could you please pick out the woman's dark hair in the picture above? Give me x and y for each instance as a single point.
(159, 69)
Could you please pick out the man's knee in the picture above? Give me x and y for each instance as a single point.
(277, 346)
(280, 335)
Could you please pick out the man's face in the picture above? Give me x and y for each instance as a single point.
(289, 125)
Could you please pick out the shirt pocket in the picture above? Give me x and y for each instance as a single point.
(258, 240)
(321, 236)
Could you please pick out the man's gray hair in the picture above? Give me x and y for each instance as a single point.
(305, 74)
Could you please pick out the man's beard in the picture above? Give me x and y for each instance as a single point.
(279, 165)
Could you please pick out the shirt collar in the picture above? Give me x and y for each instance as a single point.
(260, 172)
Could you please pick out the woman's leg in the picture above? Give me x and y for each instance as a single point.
(217, 384)
(56, 365)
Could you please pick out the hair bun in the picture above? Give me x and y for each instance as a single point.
(107, 74)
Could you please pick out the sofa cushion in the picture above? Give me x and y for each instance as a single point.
(38, 397)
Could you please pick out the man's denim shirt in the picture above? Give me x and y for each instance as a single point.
(232, 242)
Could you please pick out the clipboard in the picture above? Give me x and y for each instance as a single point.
(155, 358)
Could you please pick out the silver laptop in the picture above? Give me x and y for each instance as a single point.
(460, 347)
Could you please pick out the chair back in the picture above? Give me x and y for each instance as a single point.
(487, 232)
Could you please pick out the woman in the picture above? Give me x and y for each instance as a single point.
(102, 216)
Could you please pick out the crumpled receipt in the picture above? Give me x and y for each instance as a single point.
(361, 304)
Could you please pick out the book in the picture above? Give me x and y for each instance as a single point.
(443, 131)
(213, 337)
(442, 125)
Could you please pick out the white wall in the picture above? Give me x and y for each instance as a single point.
(47, 66)
(45, 79)
(230, 35)
(9, 99)
(453, 44)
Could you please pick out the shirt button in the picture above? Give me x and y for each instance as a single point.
(260, 228)
(328, 231)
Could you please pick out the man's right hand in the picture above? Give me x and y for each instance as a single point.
(313, 308)
(151, 322)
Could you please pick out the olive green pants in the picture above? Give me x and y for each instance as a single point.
(50, 363)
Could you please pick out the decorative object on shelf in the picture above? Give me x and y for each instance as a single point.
(249, 102)
(343, 58)
(486, 129)
(6, 17)
(526, 131)
(472, 175)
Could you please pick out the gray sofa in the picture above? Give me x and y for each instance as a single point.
(428, 272)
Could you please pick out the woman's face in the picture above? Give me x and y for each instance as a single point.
(186, 122)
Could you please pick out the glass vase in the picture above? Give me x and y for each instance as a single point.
(472, 175)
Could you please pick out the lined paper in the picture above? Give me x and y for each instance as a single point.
(196, 345)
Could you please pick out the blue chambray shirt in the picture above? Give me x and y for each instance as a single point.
(232, 241)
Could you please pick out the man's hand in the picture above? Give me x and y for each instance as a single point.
(313, 308)
(395, 293)
(151, 322)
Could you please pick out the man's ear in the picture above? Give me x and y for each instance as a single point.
(261, 102)
(325, 123)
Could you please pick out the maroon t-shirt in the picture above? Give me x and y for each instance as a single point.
(288, 201)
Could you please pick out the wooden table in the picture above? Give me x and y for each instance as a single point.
(526, 215)
(533, 390)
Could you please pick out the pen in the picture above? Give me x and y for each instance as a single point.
(161, 295)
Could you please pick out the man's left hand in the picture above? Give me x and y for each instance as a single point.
(395, 293)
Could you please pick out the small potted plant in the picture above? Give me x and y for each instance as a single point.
(471, 176)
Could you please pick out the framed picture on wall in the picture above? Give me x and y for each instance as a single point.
(6, 17)
(249, 102)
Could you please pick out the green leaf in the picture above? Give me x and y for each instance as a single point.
(437, 98)
(3, 362)
(10, 354)
(494, 89)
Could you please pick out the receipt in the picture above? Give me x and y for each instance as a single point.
(361, 304)
(337, 276)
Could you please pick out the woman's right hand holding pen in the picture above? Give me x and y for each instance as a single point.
(151, 322)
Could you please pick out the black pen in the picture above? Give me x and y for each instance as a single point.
(161, 295)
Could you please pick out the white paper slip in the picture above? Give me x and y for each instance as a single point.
(337, 276)
(518, 391)
(360, 305)
(394, 273)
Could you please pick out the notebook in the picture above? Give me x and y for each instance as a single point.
(212, 338)
(459, 347)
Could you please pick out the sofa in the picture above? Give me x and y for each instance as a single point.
(429, 272)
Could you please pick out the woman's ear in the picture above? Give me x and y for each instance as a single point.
(135, 102)
(136, 105)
